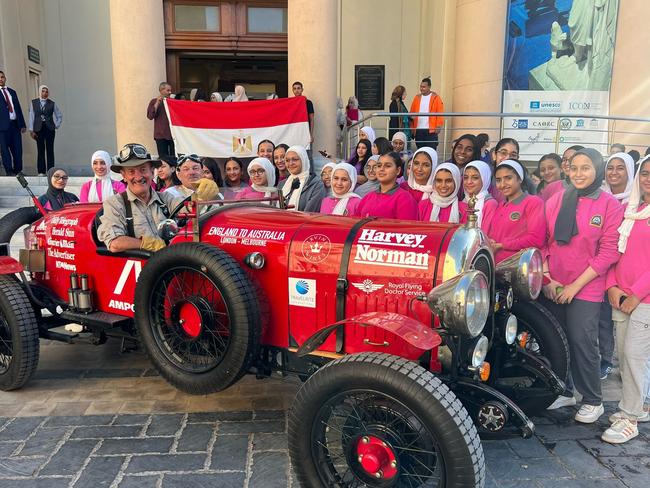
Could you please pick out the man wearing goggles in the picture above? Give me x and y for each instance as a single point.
(131, 218)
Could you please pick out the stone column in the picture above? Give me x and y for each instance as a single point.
(312, 45)
(138, 48)
(478, 66)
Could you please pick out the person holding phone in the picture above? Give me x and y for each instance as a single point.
(582, 233)
(628, 289)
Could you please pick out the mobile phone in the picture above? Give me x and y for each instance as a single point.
(324, 154)
(621, 300)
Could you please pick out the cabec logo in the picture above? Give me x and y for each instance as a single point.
(520, 123)
(302, 287)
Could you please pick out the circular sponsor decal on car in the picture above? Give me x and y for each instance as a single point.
(316, 248)
(302, 287)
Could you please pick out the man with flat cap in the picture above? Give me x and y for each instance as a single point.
(131, 218)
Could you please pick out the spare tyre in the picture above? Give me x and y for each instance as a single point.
(15, 220)
(197, 316)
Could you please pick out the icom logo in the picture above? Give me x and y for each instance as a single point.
(302, 292)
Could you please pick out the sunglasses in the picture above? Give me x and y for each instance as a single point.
(130, 151)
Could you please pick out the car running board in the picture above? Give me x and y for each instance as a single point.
(96, 320)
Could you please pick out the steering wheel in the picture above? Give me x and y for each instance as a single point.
(179, 207)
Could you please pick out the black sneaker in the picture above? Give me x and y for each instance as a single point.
(605, 370)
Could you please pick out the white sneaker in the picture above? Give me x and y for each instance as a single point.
(645, 417)
(622, 431)
(588, 414)
(562, 401)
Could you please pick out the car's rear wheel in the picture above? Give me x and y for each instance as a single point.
(15, 220)
(378, 420)
(197, 316)
(18, 336)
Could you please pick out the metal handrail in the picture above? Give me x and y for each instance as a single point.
(501, 115)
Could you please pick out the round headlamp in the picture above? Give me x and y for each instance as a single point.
(511, 329)
(523, 271)
(479, 352)
(462, 303)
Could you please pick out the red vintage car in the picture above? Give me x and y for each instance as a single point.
(410, 340)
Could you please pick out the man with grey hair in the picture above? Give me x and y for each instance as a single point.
(162, 134)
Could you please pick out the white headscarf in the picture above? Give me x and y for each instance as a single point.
(193, 93)
(629, 166)
(216, 95)
(341, 205)
(486, 177)
(105, 181)
(631, 213)
(328, 165)
(269, 190)
(240, 94)
(401, 136)
(428, 187)
(369, 132)
(303, 176)
(443, 202)
(519, 169)
(40, 90)
(370, 185)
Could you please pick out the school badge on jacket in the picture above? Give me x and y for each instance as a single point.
(596, 221)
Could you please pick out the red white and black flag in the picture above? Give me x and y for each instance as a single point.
(224, 129)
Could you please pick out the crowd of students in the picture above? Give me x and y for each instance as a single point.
(589, 217)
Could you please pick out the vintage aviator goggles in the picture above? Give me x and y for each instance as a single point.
(188, 157)
(130, 151)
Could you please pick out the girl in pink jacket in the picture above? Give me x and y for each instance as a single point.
(442, 204)
(262, 175)
(389, 200)
(477, 177)
(628, 286)
(582, 223)
(518, 221)
(101, 186)
(343, 200)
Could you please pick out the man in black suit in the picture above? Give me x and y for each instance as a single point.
(44, 118)
(12, 124)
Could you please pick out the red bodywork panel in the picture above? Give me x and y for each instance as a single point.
(390, 263)
(9, 265)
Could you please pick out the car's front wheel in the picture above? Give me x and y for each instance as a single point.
(378, 420)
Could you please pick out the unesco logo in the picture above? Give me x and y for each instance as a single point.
(302, 287)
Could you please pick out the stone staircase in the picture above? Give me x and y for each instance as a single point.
(13, 196)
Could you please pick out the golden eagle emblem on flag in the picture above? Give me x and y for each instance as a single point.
(242, 144)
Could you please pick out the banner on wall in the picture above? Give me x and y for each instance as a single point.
(558, 71)
(225, 129)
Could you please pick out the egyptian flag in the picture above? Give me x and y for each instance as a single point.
(225, 129)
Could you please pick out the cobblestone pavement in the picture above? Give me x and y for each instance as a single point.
(92, 417)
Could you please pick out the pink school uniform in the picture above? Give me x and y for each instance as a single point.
(517, 225)
(489, 207)
(631, 274)
(595, 245)
(394, 204)
(416, 194)
(328, 204)
(118, 187)
(425, 207)
(248, 193)
(552, 189)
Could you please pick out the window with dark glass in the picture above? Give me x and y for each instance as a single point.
(267, 20)
(197, 18)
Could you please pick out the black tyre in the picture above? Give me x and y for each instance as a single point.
(15, 220)
(18, 336)
(540, 334)
(378, 420)
(197, 316)
(545, 336)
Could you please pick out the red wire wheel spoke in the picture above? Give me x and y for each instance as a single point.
(190, 319)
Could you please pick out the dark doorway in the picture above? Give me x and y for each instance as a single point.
(261, 74)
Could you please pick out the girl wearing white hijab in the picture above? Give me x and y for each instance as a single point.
(216, 97)
(369, 171)
(477, 177)
(617, 184)
(423, 166)
(442, 204)
(628, 283)
(262, 176)
(102, 185)
(240, 94)
(343, 201)
(304, 190)
(367, 133)
(326, 176)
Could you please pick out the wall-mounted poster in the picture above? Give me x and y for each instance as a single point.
(558, 69)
